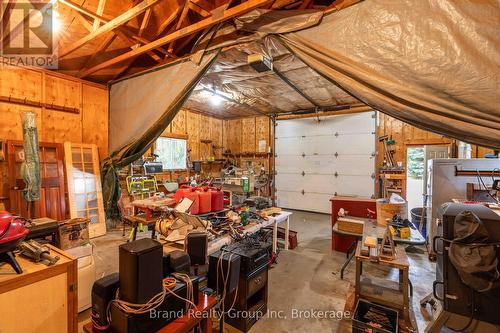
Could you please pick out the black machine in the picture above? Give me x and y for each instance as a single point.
(171, 308)
(176, 262)
(141, 272)
(253, 253)
(232, 265)
(103, 292)
(449, 287)
(197, 247)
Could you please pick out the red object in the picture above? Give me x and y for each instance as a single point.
(205, 198)
(194, 197)
(217, 200)
(181, 192)
(357, 207)
(12, 232)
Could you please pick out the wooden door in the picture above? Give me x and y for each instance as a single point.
(52, 202)
(84, 185)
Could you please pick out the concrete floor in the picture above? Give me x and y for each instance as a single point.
(306, 278)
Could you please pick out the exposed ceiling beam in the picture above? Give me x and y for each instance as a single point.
(113, 24)
(101, 48)
(84, 10)
(198, 9)
(198, 26)
(144, 22)
(99, 11)
(178, 25)
(305, 4)
(294, 87)
(167, 21)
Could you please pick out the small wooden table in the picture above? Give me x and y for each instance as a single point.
(185, 323)
(393, 294)
(151, 205)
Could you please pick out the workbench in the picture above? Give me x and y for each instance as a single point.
(42, 298)
(185, 323)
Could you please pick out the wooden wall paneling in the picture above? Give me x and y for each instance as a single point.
(262, 129)
(64, 92)
(233, 137)
(62, 126)
(248, 135)
(95, 118)
(18, 82)
(193, 132)
(11, 121)
(216, 133)
(178, 125)
(205, 137)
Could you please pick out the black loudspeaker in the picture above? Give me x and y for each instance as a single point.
(140, 270)
(197, 247)
(176, 262)
(153, 320)
(103, 292)
(234, 271)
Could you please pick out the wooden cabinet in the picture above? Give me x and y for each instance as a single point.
(42, 298)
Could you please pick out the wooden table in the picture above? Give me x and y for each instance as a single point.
(151, 205)
(185, 323)
(395, 295)
(42, 298)
(371, 228)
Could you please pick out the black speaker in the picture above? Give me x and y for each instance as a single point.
(153, 320)
(140, 270)
(234, 271)
(176, 262)
(197, 247)
(103, 292)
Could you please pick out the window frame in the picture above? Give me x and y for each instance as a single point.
(176, 137)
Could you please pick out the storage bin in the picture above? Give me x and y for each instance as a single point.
(367, 313)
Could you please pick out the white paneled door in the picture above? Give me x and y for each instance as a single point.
(316, 160)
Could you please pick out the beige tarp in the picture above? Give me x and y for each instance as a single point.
(433, 64)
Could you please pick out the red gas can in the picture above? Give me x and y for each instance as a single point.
(181, 192)
(193, 196)
(217, 198)
(205, 201)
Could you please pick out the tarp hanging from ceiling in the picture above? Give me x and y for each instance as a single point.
(140, 110)
(433, 64)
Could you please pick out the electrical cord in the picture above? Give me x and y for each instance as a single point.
(471, 319)
(484, 185)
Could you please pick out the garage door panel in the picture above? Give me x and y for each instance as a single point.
(318, 164)
(309, 201)
(342, 145)
(309, 183)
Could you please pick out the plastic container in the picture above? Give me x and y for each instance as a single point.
(416, 219)
(181, 192)
(193, 196)
(205, 198)
(367, 312)
(217, 198)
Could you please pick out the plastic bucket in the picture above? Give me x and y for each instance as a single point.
(416, 219)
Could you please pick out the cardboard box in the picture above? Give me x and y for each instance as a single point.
(73, 233)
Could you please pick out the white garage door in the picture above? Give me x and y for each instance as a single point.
(316, 160)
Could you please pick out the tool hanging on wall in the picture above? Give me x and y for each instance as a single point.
(389, 161)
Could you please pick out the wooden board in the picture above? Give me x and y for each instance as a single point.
(18, 82)
(262, 127)
(95, 118)
(193, 130)
(11, 121)
(216, 132)
(61, 126)
(248, 135)
(178, 125)
(84, 185)
(62, 92)
(232, 135)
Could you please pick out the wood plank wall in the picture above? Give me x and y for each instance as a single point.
(85, 119)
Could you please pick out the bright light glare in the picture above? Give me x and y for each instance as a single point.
(56, 22)
(215, 100)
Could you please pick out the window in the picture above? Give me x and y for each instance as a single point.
(172, 153)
